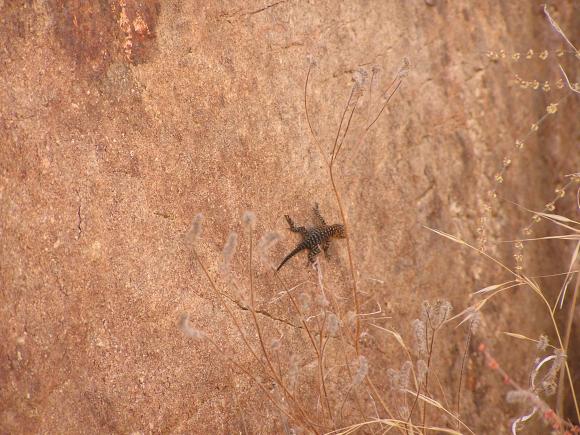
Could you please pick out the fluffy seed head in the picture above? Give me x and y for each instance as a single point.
(311, 60)
(322, 301)
(363, 369)
(360, 77)
(426, 310)
(195, 229)
(557, 363)
(542, 342)
(403, 411)
(549, 388)
(293, 371)
(521, 396)
(441, 312)
(420, 337)
(249, 219)
(393, 376)
(405, 67)
(188, 330)
(405, 375)
(350, 317)
(422, 370)
(475, 322)
(332, 324)
(267, 242)
(228, 254)
(275, 344)
(304, 300)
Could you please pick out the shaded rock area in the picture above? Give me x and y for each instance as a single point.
(120, 120)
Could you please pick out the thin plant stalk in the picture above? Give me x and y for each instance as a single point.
(330, 165)
(318, 350)
(569, 321)
(536, 290)
(303, 413)
(467, 344)
(429, 356)
(273, 372)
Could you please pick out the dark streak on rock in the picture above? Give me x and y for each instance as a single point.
(162, 214)
(79, 222)
(266, 7)
(229, 17)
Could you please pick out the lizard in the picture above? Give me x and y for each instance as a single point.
(314, 238)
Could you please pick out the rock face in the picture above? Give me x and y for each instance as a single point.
(121, 120)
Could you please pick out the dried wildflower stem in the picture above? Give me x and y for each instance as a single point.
(548, 208)
(371, 384)
(360, 407)
(560, 193)
(304, 416)
(350, 262)
(373, 74)
(346, 226)
(415, 401)
(436, 404)
(320, 356)
(405, 348)
(300, 314)
(228, 309)
(430, 344)
(536, 289)
(569, 274)
(329, 164)
(558, 29)
(354, 92)
(463, 360)
(319, 351)
(399, 340)
(494, 365)
(574, 88)
(567, 333)
(506, 163)
(352, 269)
(397, 81)
(443, 395)
(359, 377)
(219, 351)
(321, 373)
(275, 375)
(337, 146)
(351, 376)
(390, 423)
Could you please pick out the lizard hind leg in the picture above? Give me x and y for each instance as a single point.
(313, 253)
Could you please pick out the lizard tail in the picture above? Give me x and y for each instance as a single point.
(298, 248)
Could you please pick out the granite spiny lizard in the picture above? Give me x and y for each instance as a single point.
(314, 238)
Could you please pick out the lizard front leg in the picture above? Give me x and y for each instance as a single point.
(325, 245)
(294, 228)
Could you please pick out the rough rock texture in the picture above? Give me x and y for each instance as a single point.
(120, 120)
